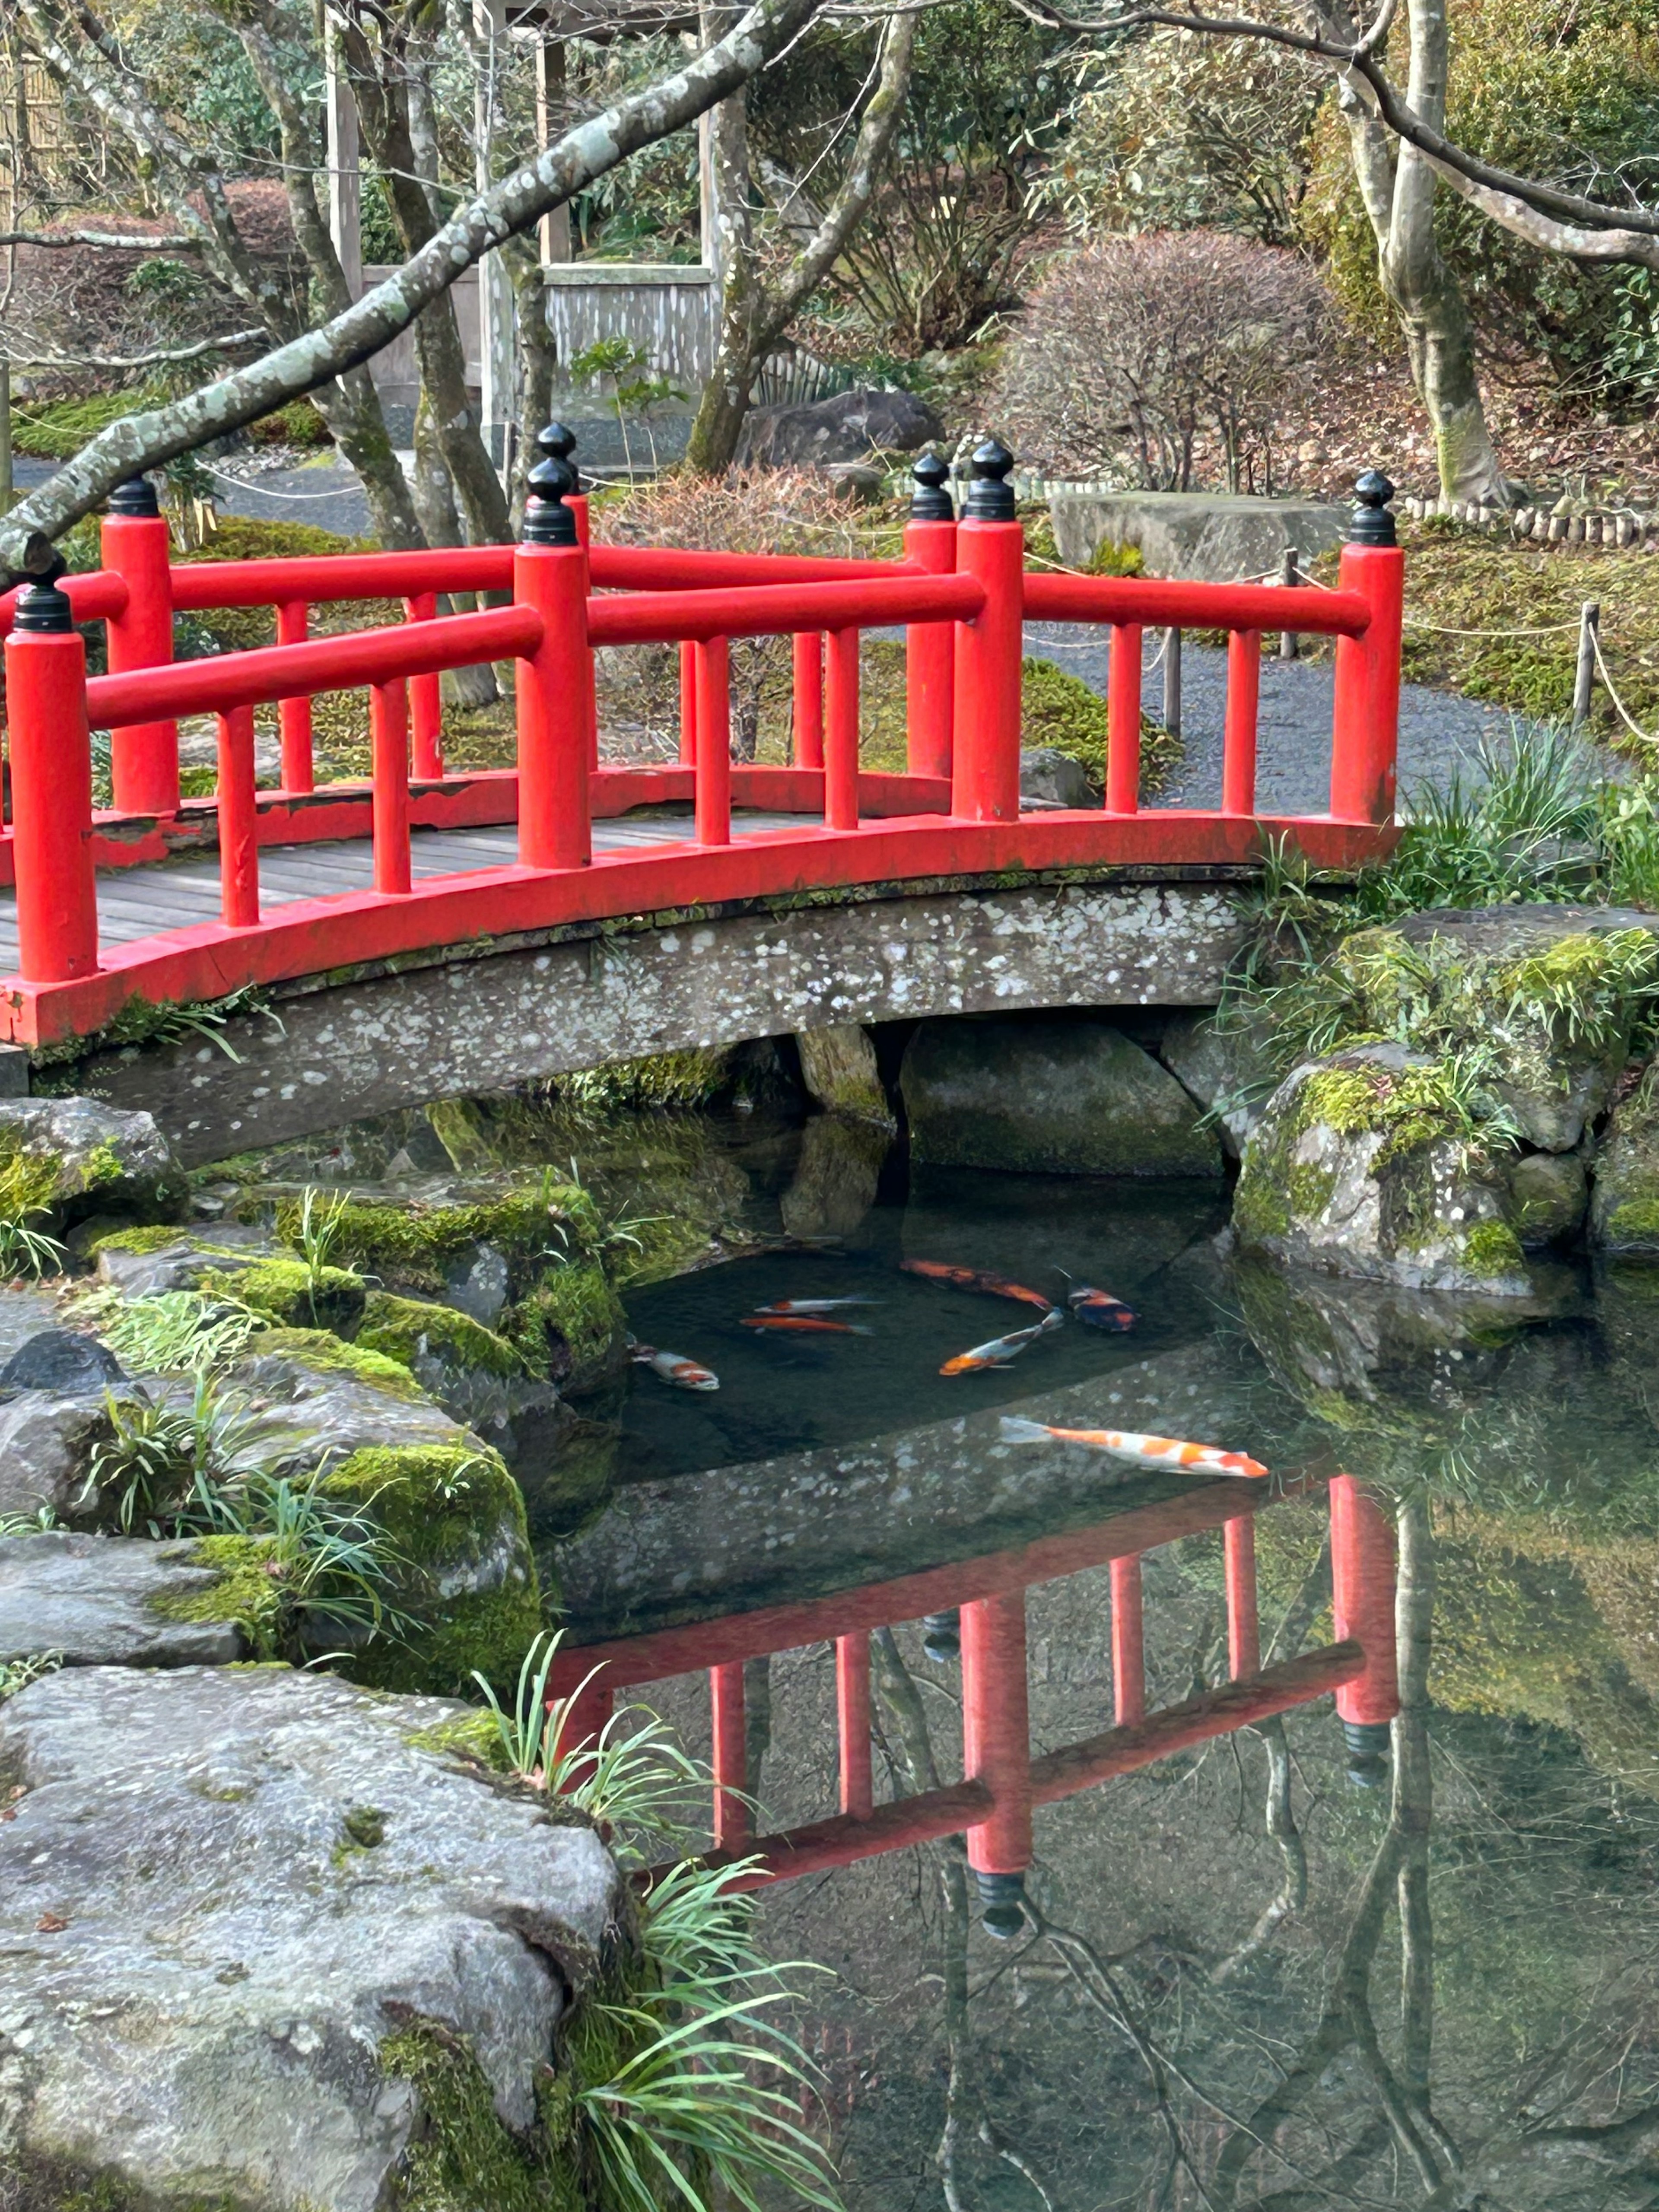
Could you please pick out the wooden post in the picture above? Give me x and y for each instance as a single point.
(732, 1826)
(996, 1750)
(1244, 1626)
(135, 542)
(807, 698)
(1172, 682)
(853, 1722)
(1361, 1607)
(294, 715)
(1589, 625)
(426, 713)
(714, 770)
(930, 541)
(556, 684)
(1128, 1649)
(689, 704)
(1289, 577)
(238, 822)
(1238, 729)
(1365, 708)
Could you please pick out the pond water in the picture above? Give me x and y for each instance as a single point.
(1248, 1982)
(1245, 1981)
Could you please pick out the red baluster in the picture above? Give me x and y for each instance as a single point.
(239, 821)
(50, 752)
(853, 1722)
(294, 715)
(388, 737)
(426, 711)
(1365, 718)
(714, 776)
(840, 737)
(996, 1750)
(1239, 728)
(808, 692)
(688, 705)
(991, 546)
(930, 541)
(733, 1825)
(1129, 1654)
(1362, 1603)
(1123, 721)
(134, 543)
(1244, 1628)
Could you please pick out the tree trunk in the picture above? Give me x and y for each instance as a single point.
(434, 496)
(538, 359)
(713, 445)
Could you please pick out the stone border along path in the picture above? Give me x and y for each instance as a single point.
(1440, 732)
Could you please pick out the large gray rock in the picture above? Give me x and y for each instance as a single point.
(61, 1359)
(1059, 1098)
(211, 1937)
(838, 1067)
(846, 428)
(1359, 1168)
(107, 1601)
(79, 1158)
(1623, 1215)
(1548, 1193)
(47, 1445)
(1224, 1065)
(309, 1404)
(1215, 538)
(180, 1262)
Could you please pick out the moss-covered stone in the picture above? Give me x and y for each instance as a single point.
(412, 1330)
(462, 2156)
(454, 1522)
(1370, 1163)
(326, 1354)
(413, 1247)
(1623, 1215)
(248, 1593)
(1548, 1193)
(571, 1327)
(152, 1237)
(292, 1295)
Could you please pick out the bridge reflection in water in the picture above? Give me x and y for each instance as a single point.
(980, 1605)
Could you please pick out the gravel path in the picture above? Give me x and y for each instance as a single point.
(1439, 731)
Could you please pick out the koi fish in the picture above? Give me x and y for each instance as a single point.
(1098, 1307)
(672, 1367)
(810, 1306)
(1002, 1349)
(814, 1323)
(1144, 1451)
(971, 1279)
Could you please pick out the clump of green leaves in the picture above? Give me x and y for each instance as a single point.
(17, 1675)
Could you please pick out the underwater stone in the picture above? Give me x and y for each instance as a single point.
(836, 1176)
(205, 1952)
(1053, 1097)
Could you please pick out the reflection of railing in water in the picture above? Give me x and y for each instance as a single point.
(1004, 1781)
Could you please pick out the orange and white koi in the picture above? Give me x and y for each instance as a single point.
(1098, 1307)
(814, 1324)
(972, 1278)
(810, 1305)
(1144, 1451)
(673, 1367)
(1002, 1349)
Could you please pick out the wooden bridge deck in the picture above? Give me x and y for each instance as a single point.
(139, 903)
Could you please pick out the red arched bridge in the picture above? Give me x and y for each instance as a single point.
(1003, 1778)
(961, 593)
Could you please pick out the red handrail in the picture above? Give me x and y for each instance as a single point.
(324, 664)
(94, 596)
(1161, 603)
(776, 610)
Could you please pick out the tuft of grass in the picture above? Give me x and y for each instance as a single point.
(17, 1675)
(169, 1332)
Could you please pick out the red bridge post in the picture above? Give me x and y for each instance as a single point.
(426, 707)
(238, 822)
(807, 655)
(50, 790)
(853, 1722)
(930, 540)
(840, 731)
(996, 1750)
(294, 715)
(1365, 721)
(555, 683)
(712, 781)
(1123, 721)
(732, 1826)
(991, 546)
(1128, 1643)
(1362, 1595)
(134, 543)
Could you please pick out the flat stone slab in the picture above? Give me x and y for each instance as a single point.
(96, 1602)
(222, 1891)
(1210, 537)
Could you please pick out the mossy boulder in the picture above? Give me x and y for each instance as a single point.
(301, 1399)
(1624, 1215)
(289, 1294)
(474, 1373)
(1548, 1194)
(1365, 1163)
(453, 1520)
(1055, 1097)
(431, 1249)
(145, 1262)
(64, 1159)
(571, 1329)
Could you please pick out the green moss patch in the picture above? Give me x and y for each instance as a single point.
(408, 1330)
(291, 1295)
(247, 1594)
(412, 1245)
(682, 1080)
(463, 2157)
(573, 1314)
(453, 1518)
(1058, 710)
(153, 1236)
(327, 1355)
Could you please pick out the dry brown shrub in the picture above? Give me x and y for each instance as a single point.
(771, 511)
(1147, 358)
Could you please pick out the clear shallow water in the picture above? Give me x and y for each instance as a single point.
(1210, 2014)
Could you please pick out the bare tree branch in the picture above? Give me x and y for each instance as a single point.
(232, 342)
(167, 242)
(589, 150)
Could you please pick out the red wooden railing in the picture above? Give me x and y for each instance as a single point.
(1003, 1778)
(960, 592)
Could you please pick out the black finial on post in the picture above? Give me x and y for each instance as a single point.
(135, 498)
(559, 444)
(1367, 1742)
(942, 1639)
(991, 499)
(44, 611)
(930, 500)
(548, 520)
(1003, 1896)
(1372, 523)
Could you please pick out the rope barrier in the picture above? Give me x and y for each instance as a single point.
(1448, 630)
(1648, 736)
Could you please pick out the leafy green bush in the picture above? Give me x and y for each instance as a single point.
(55, 429)
(1058, 710)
